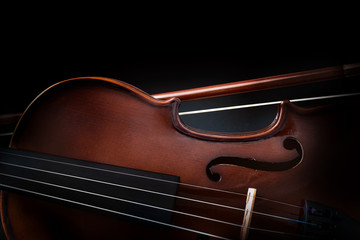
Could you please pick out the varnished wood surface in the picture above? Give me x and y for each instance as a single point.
(260, 84)
(106, 122)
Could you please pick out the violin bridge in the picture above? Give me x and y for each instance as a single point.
(250, 200)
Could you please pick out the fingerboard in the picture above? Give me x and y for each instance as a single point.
(127, 193)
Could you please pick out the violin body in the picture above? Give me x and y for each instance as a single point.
(305, 154)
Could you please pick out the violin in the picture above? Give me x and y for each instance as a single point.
(97, 158)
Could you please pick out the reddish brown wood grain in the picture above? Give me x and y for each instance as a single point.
(107, 121)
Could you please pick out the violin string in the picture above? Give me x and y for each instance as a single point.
(112, 211)
(150, 178)
(264, 104)
(155, 192)
(121, 200)
(125, 186)
(279, 202)
(146, 219)
(137, 203)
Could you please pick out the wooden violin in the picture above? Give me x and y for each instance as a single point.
(97, 158)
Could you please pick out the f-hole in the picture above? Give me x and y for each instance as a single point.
(289, 143)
